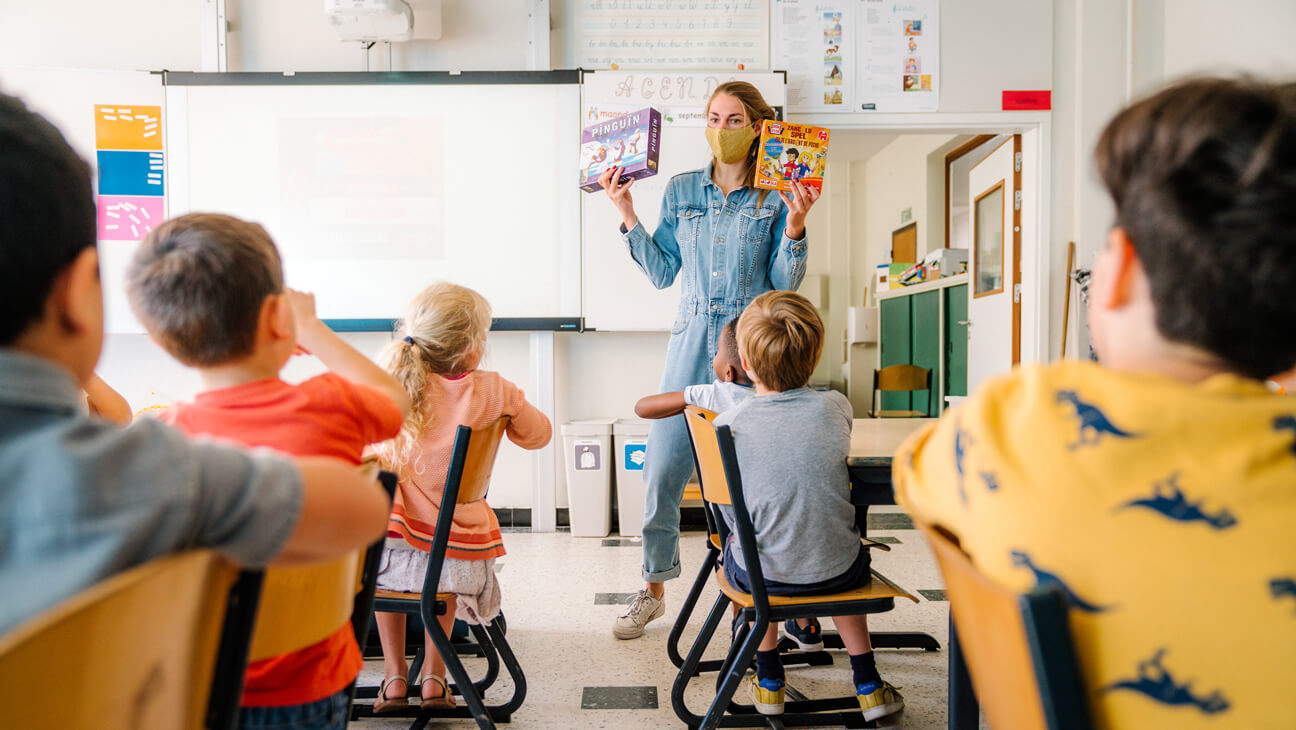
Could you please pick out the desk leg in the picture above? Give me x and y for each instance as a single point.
(964, 711)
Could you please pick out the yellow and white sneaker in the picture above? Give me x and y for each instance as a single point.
(878, 699)
(767, 695)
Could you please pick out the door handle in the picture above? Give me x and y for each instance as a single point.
(965, 322)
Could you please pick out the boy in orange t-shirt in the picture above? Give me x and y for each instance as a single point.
(209, 289)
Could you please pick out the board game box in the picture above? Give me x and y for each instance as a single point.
(791, 152)
(631, 141)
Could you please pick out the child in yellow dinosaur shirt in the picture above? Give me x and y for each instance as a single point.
(1158, 489)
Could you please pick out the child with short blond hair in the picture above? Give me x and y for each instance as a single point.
(792, 443)
(443, 340)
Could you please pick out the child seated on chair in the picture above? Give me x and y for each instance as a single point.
(792, 443)
(209, 289)
(443, 340)
(730, 388)
(85, 499)
(1155, 487)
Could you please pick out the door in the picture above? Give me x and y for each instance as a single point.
(994, 265)
(897, 347)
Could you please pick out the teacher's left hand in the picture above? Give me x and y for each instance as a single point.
(798, 204)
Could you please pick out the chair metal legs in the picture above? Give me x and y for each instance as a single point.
(686, 610)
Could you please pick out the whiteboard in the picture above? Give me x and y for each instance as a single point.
(67, 98)
(374, 186)
(617, 295)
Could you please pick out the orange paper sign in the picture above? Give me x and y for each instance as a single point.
(128, 127)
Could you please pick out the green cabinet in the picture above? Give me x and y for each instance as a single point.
(923, 328)
(956, 340)
(895, 321)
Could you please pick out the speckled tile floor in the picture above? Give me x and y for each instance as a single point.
(563, 637)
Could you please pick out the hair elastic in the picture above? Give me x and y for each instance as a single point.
(409, 339)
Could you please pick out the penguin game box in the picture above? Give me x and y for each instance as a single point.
(631, 141)
(791, 152)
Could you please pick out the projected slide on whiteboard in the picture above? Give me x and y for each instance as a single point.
(375, 189)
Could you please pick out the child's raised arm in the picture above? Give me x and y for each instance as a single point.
(661, 405)
(316, 338)
(106, 402)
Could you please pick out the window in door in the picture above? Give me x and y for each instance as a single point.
(988, 241)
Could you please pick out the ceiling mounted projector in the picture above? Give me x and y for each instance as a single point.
(371, 20)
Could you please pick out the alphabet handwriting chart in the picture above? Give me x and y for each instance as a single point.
(672, 34)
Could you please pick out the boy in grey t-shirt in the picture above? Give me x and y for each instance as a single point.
(730, 388)
(792, 444)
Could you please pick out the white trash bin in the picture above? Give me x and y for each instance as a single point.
(630, 436)
(587, 446)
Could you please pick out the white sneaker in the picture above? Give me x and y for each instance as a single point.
(643, 608)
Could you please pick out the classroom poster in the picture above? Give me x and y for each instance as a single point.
(899, 58)
(672, 34)
(815, 43)
(128, 152)
(858, 55)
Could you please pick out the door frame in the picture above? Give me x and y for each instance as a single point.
(1036, 286)
(953, 155)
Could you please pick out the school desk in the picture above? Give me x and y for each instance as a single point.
(873, 441)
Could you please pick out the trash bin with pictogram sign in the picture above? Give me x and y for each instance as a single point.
(630, 442)
(587, 449)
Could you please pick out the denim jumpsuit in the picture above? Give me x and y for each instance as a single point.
(730, 251)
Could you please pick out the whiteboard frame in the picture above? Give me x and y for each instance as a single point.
(175, 83)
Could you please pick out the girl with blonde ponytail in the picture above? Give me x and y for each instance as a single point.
(728, 242)
(439, 345)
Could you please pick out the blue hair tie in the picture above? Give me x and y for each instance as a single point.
(409, 339)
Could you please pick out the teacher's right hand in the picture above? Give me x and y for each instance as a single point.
(620, 194)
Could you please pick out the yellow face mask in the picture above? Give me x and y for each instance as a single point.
(730, 145)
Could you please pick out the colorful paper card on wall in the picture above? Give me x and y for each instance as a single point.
(128, 217)
(128, 143)
(128, 128)
(130, 173)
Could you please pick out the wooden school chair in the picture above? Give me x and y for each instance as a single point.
(1017, 648)
(467, 480)
(162, 645)
(722, 485)
(896, 379)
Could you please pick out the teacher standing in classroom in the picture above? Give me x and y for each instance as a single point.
(733, 242)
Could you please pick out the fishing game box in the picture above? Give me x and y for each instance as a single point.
(631, 141)
(791, 152)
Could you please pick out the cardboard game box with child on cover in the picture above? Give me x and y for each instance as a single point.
(791, 152)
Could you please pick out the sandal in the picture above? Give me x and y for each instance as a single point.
(445, 702)
(383, 703)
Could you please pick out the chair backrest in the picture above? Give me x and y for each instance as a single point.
(1017, 647)
(480, 461)
(471, 460)
(902, 378)
(301, 605)
(715, 524)
(138, 650)
(706, 454)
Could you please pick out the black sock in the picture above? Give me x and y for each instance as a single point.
(768, 665)
(863, 668)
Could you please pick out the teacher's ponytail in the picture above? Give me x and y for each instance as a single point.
(757, 111)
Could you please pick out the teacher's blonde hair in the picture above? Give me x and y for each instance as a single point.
(443, 333)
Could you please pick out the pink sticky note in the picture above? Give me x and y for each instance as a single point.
(118, 215)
